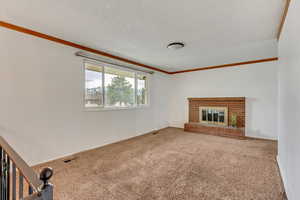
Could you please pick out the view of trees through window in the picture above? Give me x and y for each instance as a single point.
(112, 87)
(119, 87)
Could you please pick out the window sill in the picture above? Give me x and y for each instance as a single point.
(97, 109)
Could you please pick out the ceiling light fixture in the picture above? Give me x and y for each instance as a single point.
(175, 45)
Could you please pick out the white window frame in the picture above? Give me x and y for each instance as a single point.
(105, 108)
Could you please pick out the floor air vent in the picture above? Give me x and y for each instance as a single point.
(70, 160)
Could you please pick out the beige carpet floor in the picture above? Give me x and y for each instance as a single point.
(171, 165)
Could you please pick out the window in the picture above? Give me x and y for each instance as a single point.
(108, 86)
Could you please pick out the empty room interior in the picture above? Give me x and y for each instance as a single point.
(149, 100)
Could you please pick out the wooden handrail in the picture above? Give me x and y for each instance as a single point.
(28, 173)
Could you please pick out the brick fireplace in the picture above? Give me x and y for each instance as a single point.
(223, 116)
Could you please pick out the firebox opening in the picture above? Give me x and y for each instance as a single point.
(213, 115)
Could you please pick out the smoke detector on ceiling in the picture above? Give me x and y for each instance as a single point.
(175, 45)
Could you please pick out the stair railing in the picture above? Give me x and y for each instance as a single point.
(18, 181)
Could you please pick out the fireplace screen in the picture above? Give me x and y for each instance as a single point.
(213, 115)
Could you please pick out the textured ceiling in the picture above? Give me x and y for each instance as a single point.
(215, 32)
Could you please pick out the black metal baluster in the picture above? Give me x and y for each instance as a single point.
(30, 190)
(1, 174)
(20, 185)
(8, 177)
(4, 176)
(14, 190)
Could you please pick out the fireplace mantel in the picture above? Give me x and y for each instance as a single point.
(234, 105)
(226, 99)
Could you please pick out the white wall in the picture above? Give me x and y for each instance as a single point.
(256, 82)
(289, 102)
(41, 109)
(41, 102)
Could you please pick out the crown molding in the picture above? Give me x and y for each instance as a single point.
(285, 12)
(226, 65)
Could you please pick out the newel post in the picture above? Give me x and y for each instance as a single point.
(47, 189)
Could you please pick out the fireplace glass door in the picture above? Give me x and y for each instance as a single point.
(213, 115)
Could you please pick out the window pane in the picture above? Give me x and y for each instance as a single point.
(141, 89)
(119, 87)
(222, 117)
(204, 118)
(93, 86)
(215, 116)
(209, 115)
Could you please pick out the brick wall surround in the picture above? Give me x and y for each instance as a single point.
(234, 105)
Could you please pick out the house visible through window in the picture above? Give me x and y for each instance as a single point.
(112, 87)
(93, 86)
(141, 89)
